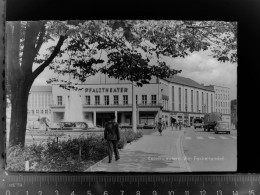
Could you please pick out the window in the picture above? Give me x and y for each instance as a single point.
(197, 101)
(97, 99)
(207, 107)
(173, 108)
(41, 111)
(125, 99)
(144, 99)
(186, 100)
(32, 111)
(202, 101)
(211, 103)
(179, 99)
(153, 97)
(106, 99)
(88, 100)
(116, 99)
(191, 100)
(46, 111)
(37, 111)
(59, 100)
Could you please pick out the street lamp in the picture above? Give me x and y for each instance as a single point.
(134, 125)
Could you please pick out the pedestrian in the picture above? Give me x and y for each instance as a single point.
(112, 135)
(166, 123)
(160, 126)
(180, 125)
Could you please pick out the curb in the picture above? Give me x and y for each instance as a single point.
(186, 164)
(180, 152)
(96, 164)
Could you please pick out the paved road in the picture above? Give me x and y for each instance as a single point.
(207, 151)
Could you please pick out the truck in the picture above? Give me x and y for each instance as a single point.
(197, 123)
(211, 119)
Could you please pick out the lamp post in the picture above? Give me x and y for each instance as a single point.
(134, 124)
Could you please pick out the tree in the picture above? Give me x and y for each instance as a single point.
(126, 49)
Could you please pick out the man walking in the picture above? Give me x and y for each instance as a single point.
(160, 126)
(112, 135)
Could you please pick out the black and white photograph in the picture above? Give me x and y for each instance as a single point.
(121, 96)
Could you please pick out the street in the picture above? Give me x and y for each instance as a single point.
(186, 150)
(207, 151)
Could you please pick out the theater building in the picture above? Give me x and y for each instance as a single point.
(100, 97)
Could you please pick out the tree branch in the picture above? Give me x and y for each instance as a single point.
(51, 57)
(40, 39)
(31, 34)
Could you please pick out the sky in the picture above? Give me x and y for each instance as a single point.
(198, 66)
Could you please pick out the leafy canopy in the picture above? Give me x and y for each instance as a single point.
(134, 49)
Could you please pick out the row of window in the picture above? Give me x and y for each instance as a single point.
(222, 104)
(224, 111)
(39, 100)
(39, 111)
(219, 97)
(222, 90)
(204, 107)
(115, 100)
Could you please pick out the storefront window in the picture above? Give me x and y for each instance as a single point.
(106, 100)
(116, 99)
(97, 100)
(191, 100)
(153, 99)
(88, 100)
(179, 99)
(59, 98)
(125, 99)
(144, 99)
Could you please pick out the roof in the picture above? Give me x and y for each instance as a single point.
(187, 82)
(41, 89)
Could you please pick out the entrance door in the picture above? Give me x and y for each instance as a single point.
(103, 118)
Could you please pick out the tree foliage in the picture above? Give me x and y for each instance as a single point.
(134, 50)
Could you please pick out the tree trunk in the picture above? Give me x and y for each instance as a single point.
(19, 100)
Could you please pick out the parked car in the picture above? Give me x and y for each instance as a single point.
(127, 125)
(148, 126)
(198, 123)
(222, 126)
(79, 125)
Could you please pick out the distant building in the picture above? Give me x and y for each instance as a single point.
(234, 112)
(40, 99)
(189, 99)
(222, 101)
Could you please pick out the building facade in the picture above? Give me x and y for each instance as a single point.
(222, 101)
(176, 97)
(39, 101)
(189, 99)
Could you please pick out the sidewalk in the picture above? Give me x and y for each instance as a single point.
(151, 153)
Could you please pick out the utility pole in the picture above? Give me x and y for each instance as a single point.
(134, 124)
